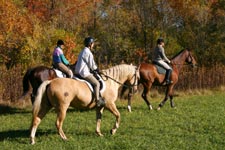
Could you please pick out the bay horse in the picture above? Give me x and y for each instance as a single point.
(61, 93)
(149, 76)
(35, 76)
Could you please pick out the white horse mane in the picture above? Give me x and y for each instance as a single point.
(119, 71)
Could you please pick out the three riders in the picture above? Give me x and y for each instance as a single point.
(88, 70)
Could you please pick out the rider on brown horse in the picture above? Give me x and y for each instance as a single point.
(160, 59)
(59, 60)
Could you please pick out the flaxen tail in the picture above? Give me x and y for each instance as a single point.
(40, 92)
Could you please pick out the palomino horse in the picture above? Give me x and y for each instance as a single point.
(61, 93)
(35, 76)
(149, 76)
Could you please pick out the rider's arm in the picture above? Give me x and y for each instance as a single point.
(91, 62)
(64, 60)
(164, 56)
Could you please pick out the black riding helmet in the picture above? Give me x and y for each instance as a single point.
(160, 40)
(87, 41)
(60, 42)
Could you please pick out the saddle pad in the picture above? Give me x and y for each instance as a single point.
(90, 86)
(160, 69)
(59, 73)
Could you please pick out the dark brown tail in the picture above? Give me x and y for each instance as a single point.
(26, 83)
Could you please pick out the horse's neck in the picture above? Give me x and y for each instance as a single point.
(179, 61)
(119, 75)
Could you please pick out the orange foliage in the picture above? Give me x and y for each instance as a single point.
(41, 8)
(14, 27)
(70, 45)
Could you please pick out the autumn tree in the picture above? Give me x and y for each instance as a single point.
(15, 27)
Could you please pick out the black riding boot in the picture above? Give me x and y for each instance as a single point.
(167, 77)
(100, 102)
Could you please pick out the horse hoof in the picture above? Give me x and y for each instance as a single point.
(113, 131)
(32, 142)
(150, 107)
(129, 108)
(158, 108)
(99, 133)
(65, 139)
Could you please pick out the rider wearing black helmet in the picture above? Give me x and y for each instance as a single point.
(59, 60)
(160, 58)
(86, 66)
(88, 41)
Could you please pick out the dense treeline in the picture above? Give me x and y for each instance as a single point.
(126, 30)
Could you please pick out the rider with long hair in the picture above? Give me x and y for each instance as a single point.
(87, 69)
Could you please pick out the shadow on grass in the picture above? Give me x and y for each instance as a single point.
(4, 109)
(12, 134)
(15, 134)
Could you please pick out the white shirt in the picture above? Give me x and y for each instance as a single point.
(85, 63)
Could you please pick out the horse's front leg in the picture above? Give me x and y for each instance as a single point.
(145, 94)
(169, 93)
(112, 108)
(171, 102)
(99, 112)
(162, 103)
(129, 101)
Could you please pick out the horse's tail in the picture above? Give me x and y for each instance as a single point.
(26, 82)
(40, 93)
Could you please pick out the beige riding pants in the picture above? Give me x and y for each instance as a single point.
(95, 83)
(64, 69)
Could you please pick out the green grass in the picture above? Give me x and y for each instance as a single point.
(197, 123)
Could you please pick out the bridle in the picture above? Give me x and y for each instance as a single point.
(189, 62)
(189, 56)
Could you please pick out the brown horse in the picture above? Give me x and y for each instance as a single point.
(35, 76)
(61, 93)
(149, 76)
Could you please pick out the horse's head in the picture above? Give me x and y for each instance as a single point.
(190, 58)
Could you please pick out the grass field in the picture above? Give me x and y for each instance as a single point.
(197, 123)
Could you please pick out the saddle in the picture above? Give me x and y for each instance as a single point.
(160, 69)
(102, 83)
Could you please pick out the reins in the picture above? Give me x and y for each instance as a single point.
(128, 86)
